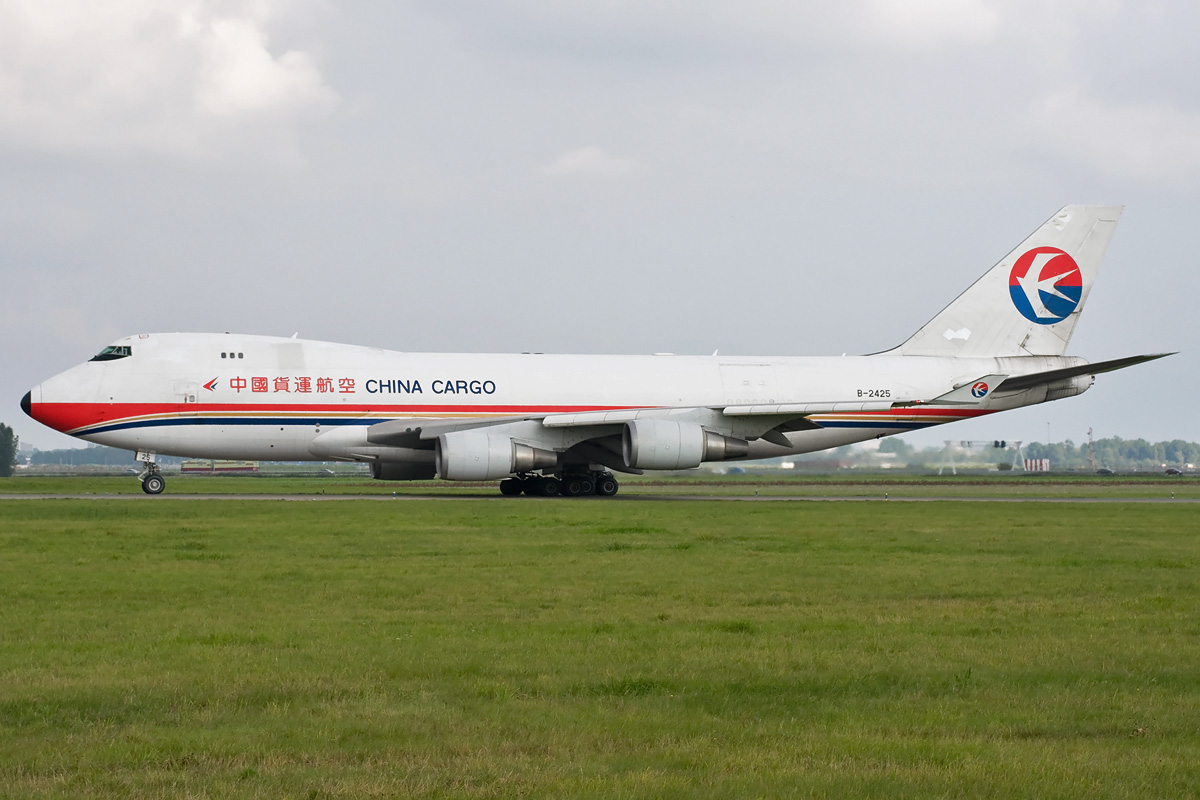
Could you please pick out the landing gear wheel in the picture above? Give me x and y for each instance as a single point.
(607, 486)
(511, 487)
(574, 486)
(546, 487)
(153, 484)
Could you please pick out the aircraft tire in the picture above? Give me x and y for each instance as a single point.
(578, 485)
(511, 487)
(548, 487)
(154, 484)
(607, 486)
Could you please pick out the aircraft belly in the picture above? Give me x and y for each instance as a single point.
(813, 440)
(238, 442)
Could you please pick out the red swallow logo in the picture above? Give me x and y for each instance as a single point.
(212, 385)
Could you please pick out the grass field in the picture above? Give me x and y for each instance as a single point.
(699, 484)
(444, 648)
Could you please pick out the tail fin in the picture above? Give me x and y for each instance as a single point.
(1028, 303)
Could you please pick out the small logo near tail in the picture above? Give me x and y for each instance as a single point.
(1045, 285)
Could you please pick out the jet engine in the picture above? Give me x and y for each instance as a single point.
(481, 456)
(666, 444)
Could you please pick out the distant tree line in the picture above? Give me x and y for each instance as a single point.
(8, 450)
(1117, 453)
(96, 455)
(1114, 453)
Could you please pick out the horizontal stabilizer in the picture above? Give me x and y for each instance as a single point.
(1020, 382)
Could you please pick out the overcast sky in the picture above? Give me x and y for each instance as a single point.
(772, 177)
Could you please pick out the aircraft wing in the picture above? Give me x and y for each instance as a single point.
(584, 418)
(748, 421)
(751, 422)
(803, 409)
(419, 433)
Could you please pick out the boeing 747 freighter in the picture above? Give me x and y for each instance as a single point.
(550, 424)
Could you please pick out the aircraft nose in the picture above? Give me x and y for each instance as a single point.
(27, 404)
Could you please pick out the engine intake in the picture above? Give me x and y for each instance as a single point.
(666, 444)
(482, 456)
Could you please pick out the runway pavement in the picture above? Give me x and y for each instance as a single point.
(625, 498)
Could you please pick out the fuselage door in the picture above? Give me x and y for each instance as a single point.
(748, 383)
(186, 391)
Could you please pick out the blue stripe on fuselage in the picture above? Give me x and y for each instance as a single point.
(307, 422)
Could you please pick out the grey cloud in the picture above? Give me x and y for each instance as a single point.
(174, 77)
(772, 177)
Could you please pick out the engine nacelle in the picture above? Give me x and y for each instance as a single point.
(667, 444)
(397, 471)
(482, 456)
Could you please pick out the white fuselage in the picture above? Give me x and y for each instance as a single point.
(265, 398)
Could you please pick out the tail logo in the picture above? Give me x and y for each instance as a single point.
(1045, 285)
(979, 390)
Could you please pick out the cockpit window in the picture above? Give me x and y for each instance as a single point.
(113, 352)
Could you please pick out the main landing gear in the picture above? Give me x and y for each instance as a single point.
(151, 477)
(571, 484)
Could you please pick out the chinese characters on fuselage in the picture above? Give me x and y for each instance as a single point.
(325, 385)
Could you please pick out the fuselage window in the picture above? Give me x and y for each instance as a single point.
(113, 352)
(222, 355)
(241, 355)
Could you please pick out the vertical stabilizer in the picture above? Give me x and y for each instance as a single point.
(1028, 303)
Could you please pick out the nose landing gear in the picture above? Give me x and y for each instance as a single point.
(151, 477)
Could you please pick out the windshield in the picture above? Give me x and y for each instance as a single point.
(113, 352)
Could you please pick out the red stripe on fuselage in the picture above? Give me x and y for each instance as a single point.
(72, 416)
(923, 411)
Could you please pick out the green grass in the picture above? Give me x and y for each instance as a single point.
(598, 649)
(697, 484)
